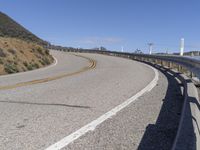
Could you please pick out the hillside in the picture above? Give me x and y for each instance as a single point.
(10, 28)
(20, 50)
(17, 56)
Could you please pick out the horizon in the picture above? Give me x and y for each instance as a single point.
(111, 24)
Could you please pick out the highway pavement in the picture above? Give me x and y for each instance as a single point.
(41, 107)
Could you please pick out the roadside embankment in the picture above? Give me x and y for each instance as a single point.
(17, 56)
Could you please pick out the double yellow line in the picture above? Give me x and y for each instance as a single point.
(92, 65)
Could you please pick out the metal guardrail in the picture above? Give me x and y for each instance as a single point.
(183, 64)
(188, 134)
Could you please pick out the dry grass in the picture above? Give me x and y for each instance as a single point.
(18, 55)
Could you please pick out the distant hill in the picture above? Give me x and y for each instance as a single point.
(10, 28)
(20, 50)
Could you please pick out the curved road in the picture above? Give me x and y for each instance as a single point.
(36, 116)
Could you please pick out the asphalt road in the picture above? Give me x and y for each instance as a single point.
(35, 116)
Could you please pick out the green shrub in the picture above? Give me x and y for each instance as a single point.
(10, 68)
(15, 58)
(30, 67)
(35, 65)
(40, 50)
(47, 52)
(1, 61)
(42, 62)
(46, 61)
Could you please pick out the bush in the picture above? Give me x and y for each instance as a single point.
(25, 64)
(40, 50)
(46, 61)
(12, 51)
(33, 49)
(21, 51)
(2, 54)
(47, 52)
(15, 62)
(35, 65)
(15, 58)
(11, 68)
(30, 67)
(42, 62)
(1, 61)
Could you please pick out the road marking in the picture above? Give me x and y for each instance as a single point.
(91, 126)
(92, 65)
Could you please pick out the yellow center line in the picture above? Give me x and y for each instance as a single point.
(92, 65)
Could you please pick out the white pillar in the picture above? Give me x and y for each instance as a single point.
(150, 48)
(182, 47)
(122, 49)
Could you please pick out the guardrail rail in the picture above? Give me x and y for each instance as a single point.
(188, 133)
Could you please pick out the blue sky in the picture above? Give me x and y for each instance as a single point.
(111, 23)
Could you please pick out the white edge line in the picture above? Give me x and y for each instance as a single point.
(91, 126)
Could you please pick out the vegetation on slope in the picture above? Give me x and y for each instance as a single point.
(20, 50)
(17, 55)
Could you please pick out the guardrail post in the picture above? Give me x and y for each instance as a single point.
(159, 62)
(191, 74)
(169, 65)
(156, 61)
(180, 69)
(135, 57)
(162, 63)
(150, 60)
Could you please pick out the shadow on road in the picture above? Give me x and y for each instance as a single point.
(45, 104)
(160, 136)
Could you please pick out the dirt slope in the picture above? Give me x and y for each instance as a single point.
(17, 55)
